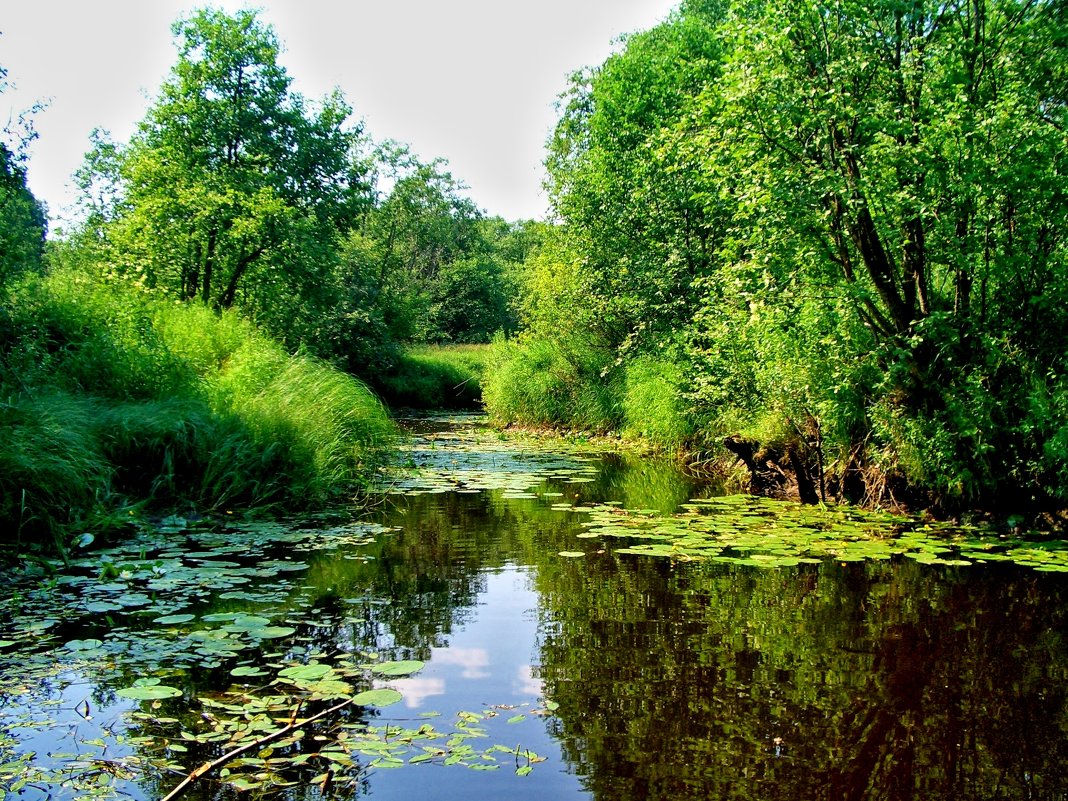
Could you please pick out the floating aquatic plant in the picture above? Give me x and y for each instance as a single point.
(765, 533)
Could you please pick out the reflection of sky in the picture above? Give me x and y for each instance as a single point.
(488, 662)
(474, 661)
(91, 717)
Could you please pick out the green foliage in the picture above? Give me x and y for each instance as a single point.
(653, 402)
(434, 377)
(539, 381)
(113, 395)
(848, 223)
(237, 192)
(233, 186)
(22, 221)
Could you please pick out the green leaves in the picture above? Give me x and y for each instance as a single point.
(148, 690)
(402, 668)
(380, 697)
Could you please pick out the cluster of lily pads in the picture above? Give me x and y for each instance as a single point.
(145, 622)
(471, 458)
(766, 533)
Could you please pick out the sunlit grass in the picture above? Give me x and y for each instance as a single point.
(436, 377)
(110, 396)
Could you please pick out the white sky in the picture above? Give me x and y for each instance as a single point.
(473, 81)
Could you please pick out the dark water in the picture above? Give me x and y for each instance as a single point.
(859, 680)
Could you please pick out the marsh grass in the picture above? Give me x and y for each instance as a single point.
(535, 381)
(435, 377)
(110, 396)
(542, 382)
(653, 403)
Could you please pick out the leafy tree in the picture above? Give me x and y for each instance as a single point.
(234, 188)
(23, 222)
(848, 219)
(629, 206)
(897, 173)
(443, 268)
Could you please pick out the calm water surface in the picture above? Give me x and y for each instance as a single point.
(664, 680)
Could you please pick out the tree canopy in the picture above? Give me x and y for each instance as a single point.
(844, 221)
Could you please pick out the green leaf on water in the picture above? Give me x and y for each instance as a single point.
(572, 554)
(83, 645)
(381, 697)
(403, 668)
(247, 670)
(312, 672)
(270, 632)
(168, 620)
(149, 693)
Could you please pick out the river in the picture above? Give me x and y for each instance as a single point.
(544, 622)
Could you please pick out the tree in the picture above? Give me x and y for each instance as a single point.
(629, 205)
(418, 230)
(234, 187)
(900, 203)
(917, 146)
(23, 222)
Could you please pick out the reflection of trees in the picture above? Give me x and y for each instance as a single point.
(872, 681)
(423, 579)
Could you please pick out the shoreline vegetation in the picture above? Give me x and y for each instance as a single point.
(117, 403)
(830, 262)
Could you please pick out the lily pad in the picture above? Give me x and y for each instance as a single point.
(83, 645)
(155, 692)
(247, 671)
(169, 620)
(380, 697)
(402, 668)
(312, 672)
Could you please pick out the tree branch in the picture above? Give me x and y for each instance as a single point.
(208, 767)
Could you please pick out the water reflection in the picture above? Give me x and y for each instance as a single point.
(851, 681)
(861, 680)
(880, 680)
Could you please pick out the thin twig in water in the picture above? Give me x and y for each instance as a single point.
(208, 767)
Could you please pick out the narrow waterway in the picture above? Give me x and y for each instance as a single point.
(544, 645)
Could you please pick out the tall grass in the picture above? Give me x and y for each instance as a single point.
(536, 381)
(653, 403)
(435, 377)
(545, 382)
(110, 396)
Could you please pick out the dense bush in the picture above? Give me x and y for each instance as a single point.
(847, 224)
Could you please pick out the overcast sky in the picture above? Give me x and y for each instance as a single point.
(472, 81)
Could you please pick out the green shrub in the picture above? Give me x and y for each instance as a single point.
(537, 381)
(653, 405)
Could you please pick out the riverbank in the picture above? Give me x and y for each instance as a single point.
(116, 401)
